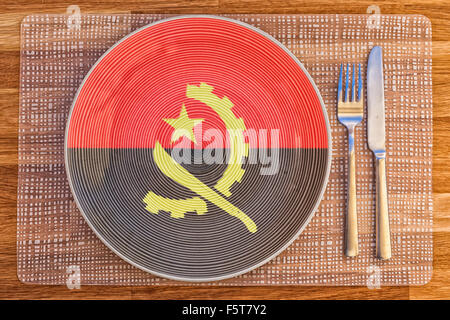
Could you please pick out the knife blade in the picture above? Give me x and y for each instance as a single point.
(377, 143)
(375, 102)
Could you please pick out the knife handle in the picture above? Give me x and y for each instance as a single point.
(351, 224)
(382, 211)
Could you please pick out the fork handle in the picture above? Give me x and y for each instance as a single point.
(382, 211)
(351, 224)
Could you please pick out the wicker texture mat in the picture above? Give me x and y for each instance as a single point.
(53, 240)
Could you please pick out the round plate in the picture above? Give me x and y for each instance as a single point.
(198, 148)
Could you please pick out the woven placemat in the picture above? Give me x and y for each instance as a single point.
(53, 240)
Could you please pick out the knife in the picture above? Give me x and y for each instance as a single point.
(376, 141)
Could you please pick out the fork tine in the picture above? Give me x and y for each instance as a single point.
(346, 95)
(353, 83)
(340, 86)
(359, 83)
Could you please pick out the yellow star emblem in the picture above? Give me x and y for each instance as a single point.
(183, 125)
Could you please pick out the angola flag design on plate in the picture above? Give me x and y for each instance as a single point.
(197, 148)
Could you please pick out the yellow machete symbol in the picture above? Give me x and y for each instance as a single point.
(233, 172)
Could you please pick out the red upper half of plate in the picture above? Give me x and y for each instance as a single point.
(143, 80)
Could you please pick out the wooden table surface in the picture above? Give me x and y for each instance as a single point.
(13, 11)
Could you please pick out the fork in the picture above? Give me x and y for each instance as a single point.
(350, 113)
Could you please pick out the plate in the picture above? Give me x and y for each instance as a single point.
(198, 148)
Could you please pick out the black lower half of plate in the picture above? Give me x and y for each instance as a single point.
(110, 185)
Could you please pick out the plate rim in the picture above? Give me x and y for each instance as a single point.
(311, 214)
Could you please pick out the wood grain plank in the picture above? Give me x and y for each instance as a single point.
(441, 213)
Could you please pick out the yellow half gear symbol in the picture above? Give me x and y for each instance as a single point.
(235, 128)
(233, 172)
